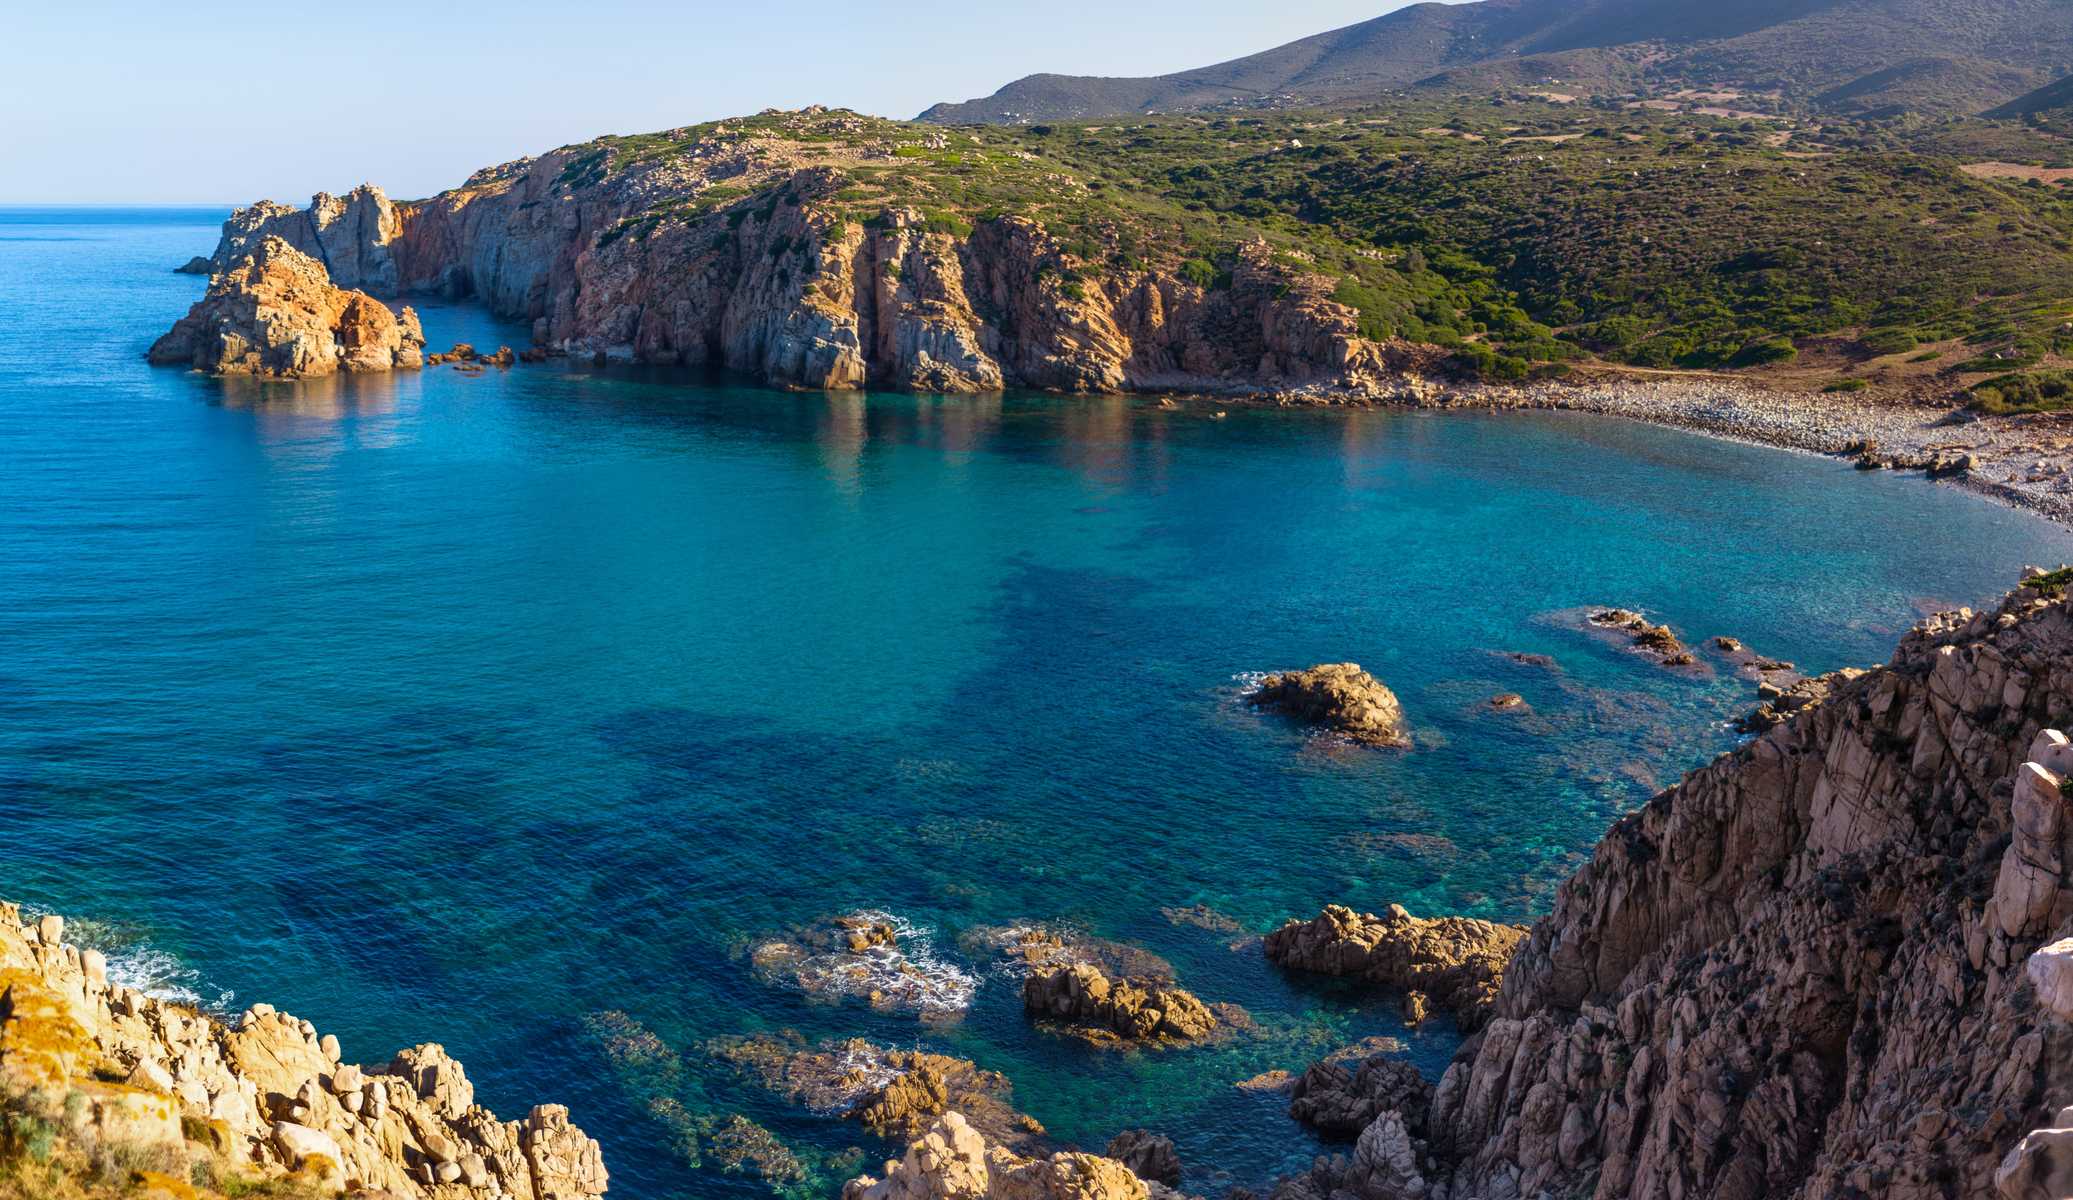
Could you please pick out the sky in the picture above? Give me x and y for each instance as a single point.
(113, 102)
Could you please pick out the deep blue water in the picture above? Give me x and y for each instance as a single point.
(436, 707)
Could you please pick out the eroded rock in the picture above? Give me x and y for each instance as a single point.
(275, 313)
(1457, 961)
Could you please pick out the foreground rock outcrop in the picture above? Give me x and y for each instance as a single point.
(1456, 962)
(115, 1073)
(1339, 697)
(274, 312)
(1087, 1001)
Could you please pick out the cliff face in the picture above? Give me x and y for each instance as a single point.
(1810, 969)
(751, 253)
(94, 1071)
(274, 312)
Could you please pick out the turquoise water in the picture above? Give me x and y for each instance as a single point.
(436, 707)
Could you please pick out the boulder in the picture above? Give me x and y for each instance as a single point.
(1339, 697)
(1457, 961)
(1150, 1156)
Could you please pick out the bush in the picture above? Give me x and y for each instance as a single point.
(1763, 351)
(1848, 385)
(2041, 391)
(1894, 339)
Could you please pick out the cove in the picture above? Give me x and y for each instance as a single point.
(475, 707)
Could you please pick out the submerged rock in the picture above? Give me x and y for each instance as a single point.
(1337, 696)
(869, 956)
(275, 313)
(1457, 961)
(892, 1092)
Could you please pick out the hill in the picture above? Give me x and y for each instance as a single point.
(1933, 56)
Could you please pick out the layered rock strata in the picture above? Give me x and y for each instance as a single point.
(161, 1082)
(274, 312)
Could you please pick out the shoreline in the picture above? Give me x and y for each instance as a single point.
(2020, 462)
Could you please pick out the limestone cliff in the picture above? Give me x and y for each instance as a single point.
(749, 251)
(275, 312)
(96, 1072)
(1810, 969)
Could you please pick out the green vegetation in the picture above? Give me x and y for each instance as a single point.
(1517, 234)
(2039, 391)
(1847, 385)
(2052, 583)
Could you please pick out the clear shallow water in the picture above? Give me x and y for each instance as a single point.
(461, 709)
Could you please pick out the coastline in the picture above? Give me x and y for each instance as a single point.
(2021, 462)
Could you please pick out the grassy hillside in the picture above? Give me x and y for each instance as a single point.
(1517, 233)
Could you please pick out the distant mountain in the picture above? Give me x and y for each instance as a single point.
(1937, 56)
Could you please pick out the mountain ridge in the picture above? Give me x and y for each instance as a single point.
(1803, 51)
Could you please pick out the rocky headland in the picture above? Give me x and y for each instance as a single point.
(139, 1096)
(273, 311)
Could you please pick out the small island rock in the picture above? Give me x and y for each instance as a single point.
(1340, 697)
(275, 313)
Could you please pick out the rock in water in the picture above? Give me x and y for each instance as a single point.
(1080, 995)
(1458, 961)
(275, 313)
(1150, 1156)
(1340, 697)
(953, 1161)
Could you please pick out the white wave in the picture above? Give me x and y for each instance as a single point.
(137, 964)
(907, 974)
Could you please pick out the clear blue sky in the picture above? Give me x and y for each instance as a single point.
(113, 101)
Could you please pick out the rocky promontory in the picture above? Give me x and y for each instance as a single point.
(781, 247)
(274, 312)
(1339, 697)
(95, 1072)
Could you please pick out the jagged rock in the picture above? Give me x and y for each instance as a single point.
(1150, 1156)
(2040, 1167)
(352, 236)
(952, 1161)
(1081, 996)
(1458, 961)
(275, 313)
(267, 1093)
(196, 266)
(1337, 696)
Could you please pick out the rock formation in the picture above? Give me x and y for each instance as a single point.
(1659, 642)
(1457, 961)
(147, 1080)
(1090, 1003)
(953, 1161)
(352, 236)
(1340, 697)
(1342, 1095)
(865, 955)
(275, 313)
(743, 251)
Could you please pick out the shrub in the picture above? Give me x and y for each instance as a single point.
(1894, 339)
(2041, 391)
(1848, 385)
(1763, 351)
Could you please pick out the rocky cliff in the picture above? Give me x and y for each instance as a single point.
(1811, 969)
(138, 1096)
(791, 250)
